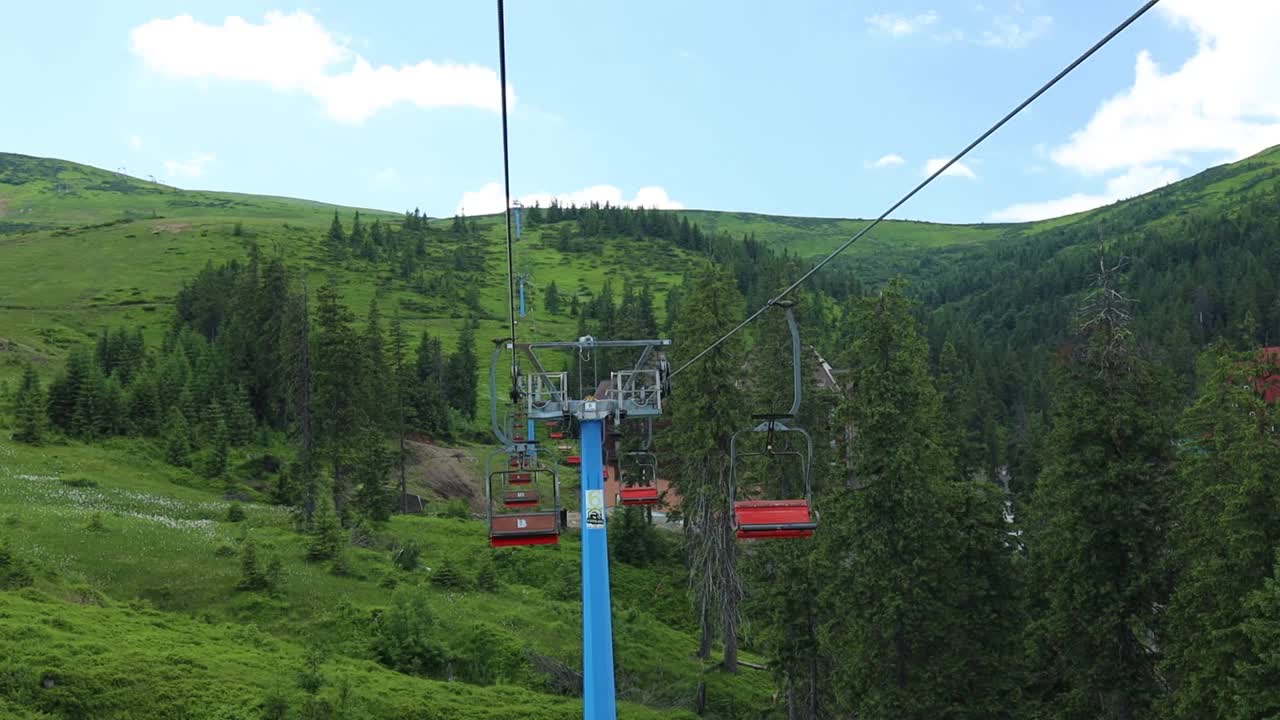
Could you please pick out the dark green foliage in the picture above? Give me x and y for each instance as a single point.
(634, 540)
(406, 556)
(708, 407)
(1224, 541)
(15, 571)
(461, 379)
(235, 513)
(551, 298)
(487, 579)
(448, 575)
(177, 439)
(376, 493)
(916, 573)
(406, 635)
(1096, 533)
(29, 409)
(1257, 669)
(256, 574)
(96, 523)
(328, 538)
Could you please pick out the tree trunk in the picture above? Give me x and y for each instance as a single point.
(708, 631)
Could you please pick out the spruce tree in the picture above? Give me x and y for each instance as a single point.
(461, 377)
(1097, 523)
(29, 408)
(177, 438)
(327, 535)
(915, 567)
(337, 237)
(1225, 537)
(708, 407)
(551, 299)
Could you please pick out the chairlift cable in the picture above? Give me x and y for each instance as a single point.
(506, 178)
(902, 201)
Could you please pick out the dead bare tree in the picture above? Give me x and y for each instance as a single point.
(1104, 317)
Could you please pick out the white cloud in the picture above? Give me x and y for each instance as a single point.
(1009, 31)
(957, 170)
(135, 143)
(889, 160)
(901, 25)
(489, 199)
(386, 177)
(192, 167)
(1221, 104)
(294, 53)
(1136, 181)
(1225, 100)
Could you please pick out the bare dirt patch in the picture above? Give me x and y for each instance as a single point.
(436, 472)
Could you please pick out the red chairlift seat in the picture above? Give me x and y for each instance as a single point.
(526, 528)
(759, 519)
(641, 495)
(520, 478)
(519, 438)
(555, 435)
(519, 498)
(573, 460)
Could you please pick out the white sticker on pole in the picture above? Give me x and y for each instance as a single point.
(593, 519)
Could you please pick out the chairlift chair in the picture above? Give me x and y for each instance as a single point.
(518, 516)
(787, 516)
(645, 492)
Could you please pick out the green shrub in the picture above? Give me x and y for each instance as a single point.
(96, 523)
(405, 636)
(256, 575)
(457, 508)
(487, 579)
(406, 558)
(235, 513)
(15, 572)
(448, 576)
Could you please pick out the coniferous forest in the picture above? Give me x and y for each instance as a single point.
(1046, 474)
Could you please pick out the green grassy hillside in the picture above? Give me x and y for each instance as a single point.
(133, 608)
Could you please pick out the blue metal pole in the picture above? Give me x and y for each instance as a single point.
(521, 298)
(533, 449)
(598, 693)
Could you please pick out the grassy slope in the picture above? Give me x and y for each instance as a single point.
(61, 280)
(156, 587)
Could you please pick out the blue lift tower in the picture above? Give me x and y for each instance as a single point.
(635, 393)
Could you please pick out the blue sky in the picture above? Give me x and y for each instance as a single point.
(799, 108)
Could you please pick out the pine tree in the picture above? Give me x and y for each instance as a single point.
(1224, 539)
(707, 408)
(29, 408)
(551, 299)
(461, 377)
(374, 375)
(66, 388)
(915, 568)
(1097, 520)
(376, 494)
(219, 443)
(337, 237)
(327, 539)
(337, 362)
(177, 438)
